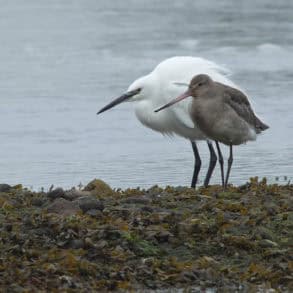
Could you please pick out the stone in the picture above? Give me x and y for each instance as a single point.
(136, 200)
(63, 207)
(8, 227)
(76, 244)
(267, 243)
(147, 209)
(89, 203)
(38, 202)
(98, 187)
(94, 213)
(5, 187)
(160, 217)
(74, 194)
(58, 192)
(163, 236)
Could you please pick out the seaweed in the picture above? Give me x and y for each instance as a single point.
(173, 238)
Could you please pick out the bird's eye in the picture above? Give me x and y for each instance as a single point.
(200, 84)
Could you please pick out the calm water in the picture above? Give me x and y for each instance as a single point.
(61, 61)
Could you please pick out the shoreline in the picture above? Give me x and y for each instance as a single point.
(100, 239)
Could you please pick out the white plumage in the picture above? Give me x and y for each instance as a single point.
(157, 88)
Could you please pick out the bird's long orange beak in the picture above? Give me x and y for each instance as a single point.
(178, 99)
(119, 100)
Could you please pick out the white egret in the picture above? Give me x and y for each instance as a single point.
(157, 88)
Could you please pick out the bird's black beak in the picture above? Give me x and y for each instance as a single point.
(119, 100)
(180, 98)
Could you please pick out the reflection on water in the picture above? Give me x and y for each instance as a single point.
(62, 61)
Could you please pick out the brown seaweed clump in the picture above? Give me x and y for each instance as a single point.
(171, 239)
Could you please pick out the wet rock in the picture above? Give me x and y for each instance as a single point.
(272, 209)
(5, 187)
(15, 288)
(89, 203)
(98, 187)
(63, 207)
(76, 244)
(94, 213)
(267, 243)
(264, 233)
(51, 268)
(160, 217)
(230, 216)
(122, 212)
(147, 209)
(137, 200)
(163, 236)
(111, 233)
(27, 221)
(58, 192)
(42, 231)
(190, 226)
(67, 281)
(207, 261)
(74, 194)
(89, 242)
(187, 276)
(38, 202)
(8, 227)
(154, 191)
(14, 203)
(157, 233)
(101, 244)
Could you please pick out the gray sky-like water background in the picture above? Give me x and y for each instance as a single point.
(61, 61)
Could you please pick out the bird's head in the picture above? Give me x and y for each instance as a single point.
(197, 86)
(137, 91)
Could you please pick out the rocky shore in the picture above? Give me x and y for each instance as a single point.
(176, 239)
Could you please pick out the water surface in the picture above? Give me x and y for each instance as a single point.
(61, 61)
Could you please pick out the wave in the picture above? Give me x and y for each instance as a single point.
(266, 57)
(189, 44)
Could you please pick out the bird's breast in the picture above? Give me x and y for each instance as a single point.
(156, 121)
(166, 121)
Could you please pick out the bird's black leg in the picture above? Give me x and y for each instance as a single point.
(197, 164)
(221, 161)
(212, 164)
(230, 161)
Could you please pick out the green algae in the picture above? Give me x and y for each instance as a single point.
(140, 246)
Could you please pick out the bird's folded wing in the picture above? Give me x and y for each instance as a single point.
(240, 104)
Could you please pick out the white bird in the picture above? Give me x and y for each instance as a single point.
(157, 88)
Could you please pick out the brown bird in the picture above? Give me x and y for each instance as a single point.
(222, 113)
